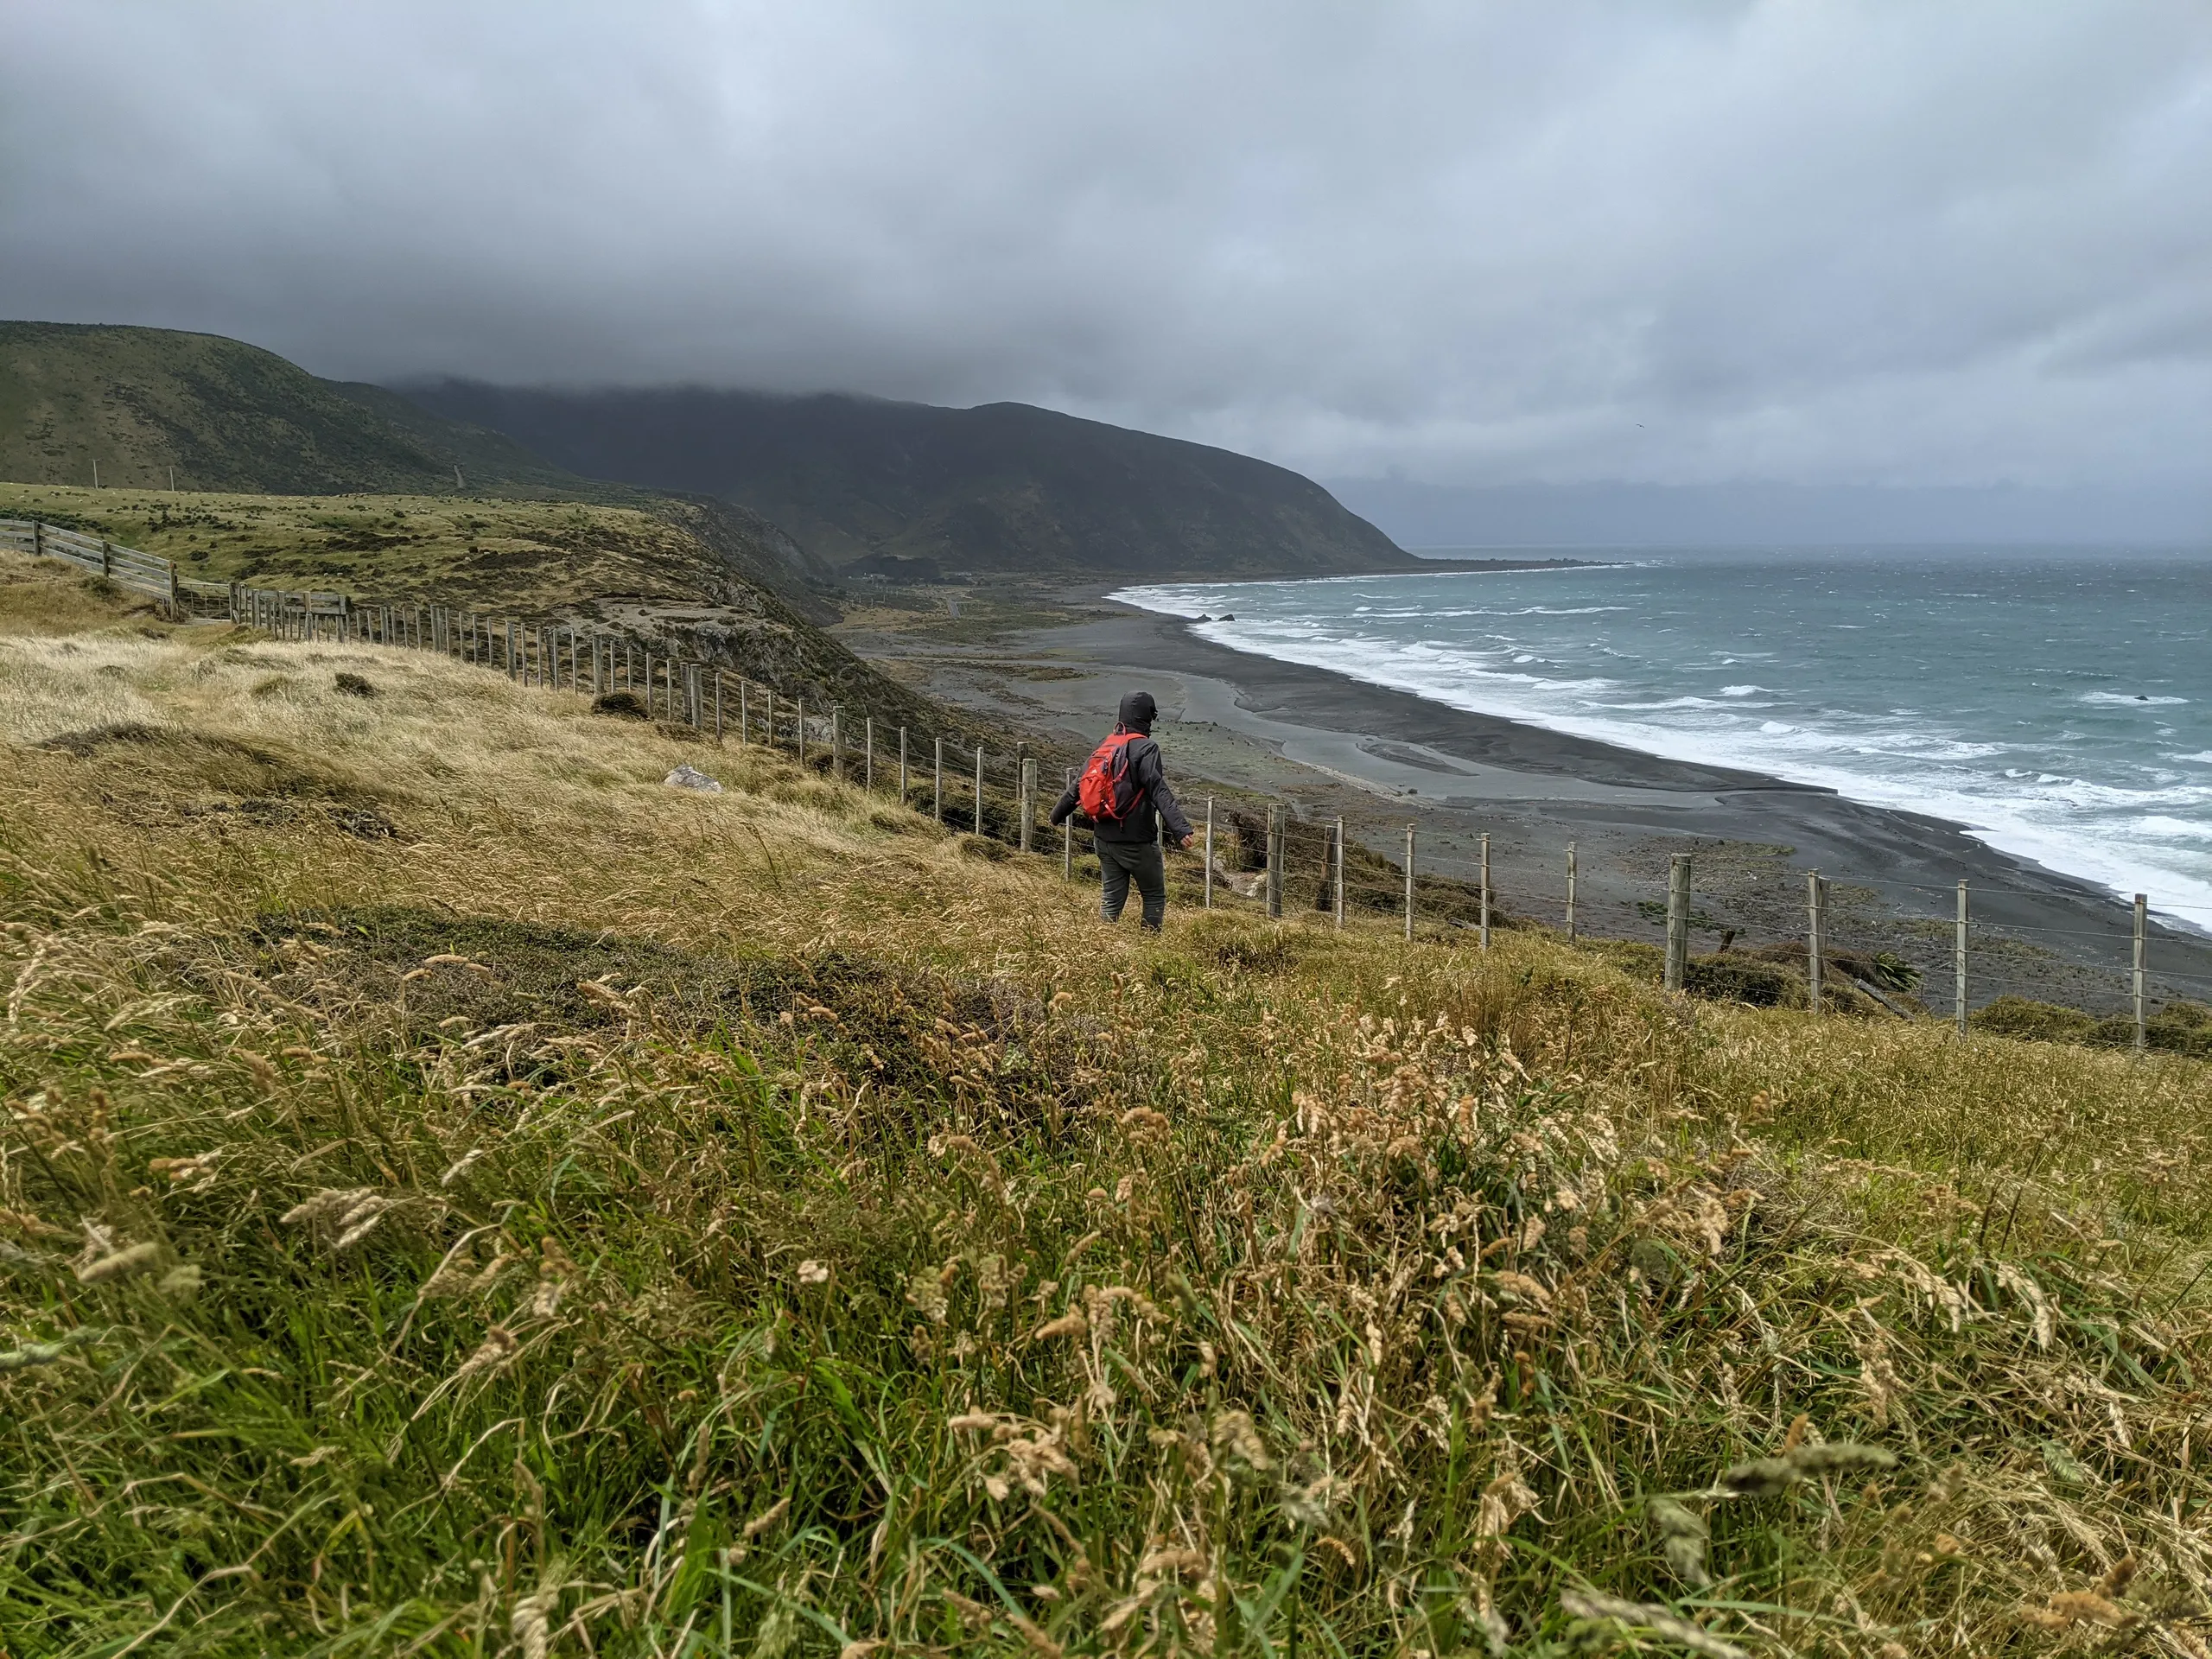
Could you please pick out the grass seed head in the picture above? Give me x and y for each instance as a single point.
(182, 1283)
(1683, 1535)
(136, 1258)
(498, 1348)
(1649, 1616)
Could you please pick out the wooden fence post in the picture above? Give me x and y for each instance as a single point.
(1067, 838)
(1341, 875)
(1678, 920)
(744, 712)
(1483, 920)
(1959, 961)
(979, 789)
(718, 707)
(1209, 852)
(1570, 893)
(1274, 861)
(902, 765)
(1028, 799)
(1815, 944)
(937, 810)
(1409, 882)
(2142, 1034)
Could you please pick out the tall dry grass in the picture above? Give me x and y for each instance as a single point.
(461, 1195)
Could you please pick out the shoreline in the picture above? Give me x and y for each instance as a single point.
(1330, 745)
(2177, 910)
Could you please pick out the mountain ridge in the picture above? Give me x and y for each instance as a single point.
(866, 483)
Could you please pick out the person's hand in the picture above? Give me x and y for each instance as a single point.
(1189, 842)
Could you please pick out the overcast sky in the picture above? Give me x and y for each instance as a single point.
(1908, 241)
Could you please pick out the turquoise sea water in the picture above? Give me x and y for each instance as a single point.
(2056, 702)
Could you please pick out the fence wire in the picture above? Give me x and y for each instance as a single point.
(1285, 865)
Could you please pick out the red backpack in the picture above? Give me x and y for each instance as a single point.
(1108, 791)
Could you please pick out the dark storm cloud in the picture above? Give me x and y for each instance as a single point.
(1877, 242)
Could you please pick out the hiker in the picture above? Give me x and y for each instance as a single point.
(1121, 799)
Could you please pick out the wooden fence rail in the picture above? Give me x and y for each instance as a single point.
(126, 567)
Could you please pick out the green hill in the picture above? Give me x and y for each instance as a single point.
(221, 414)
(160, 409)
(910, 488)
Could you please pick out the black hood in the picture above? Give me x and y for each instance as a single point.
(1138, 711)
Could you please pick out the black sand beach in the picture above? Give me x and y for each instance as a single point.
(1057, 659)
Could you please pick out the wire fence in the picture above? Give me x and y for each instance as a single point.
(1910, 948)
(1968, 950)
(1859, 944)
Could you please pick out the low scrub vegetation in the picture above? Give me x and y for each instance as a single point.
(595, 1218)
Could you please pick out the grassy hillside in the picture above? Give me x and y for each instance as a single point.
(706, 570)
(881, 486)
(458, 1196)
(159, 409)
(226, 415)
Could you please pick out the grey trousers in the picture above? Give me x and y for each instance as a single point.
(1120, 861)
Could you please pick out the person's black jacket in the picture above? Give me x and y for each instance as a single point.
(1151, 779)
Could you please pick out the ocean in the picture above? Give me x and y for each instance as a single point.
(2058, 703)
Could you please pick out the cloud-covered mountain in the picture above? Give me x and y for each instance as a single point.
(895, 485)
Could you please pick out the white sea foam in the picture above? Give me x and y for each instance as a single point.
(2071, 794)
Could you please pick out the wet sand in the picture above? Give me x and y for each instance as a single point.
(1331, 746)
